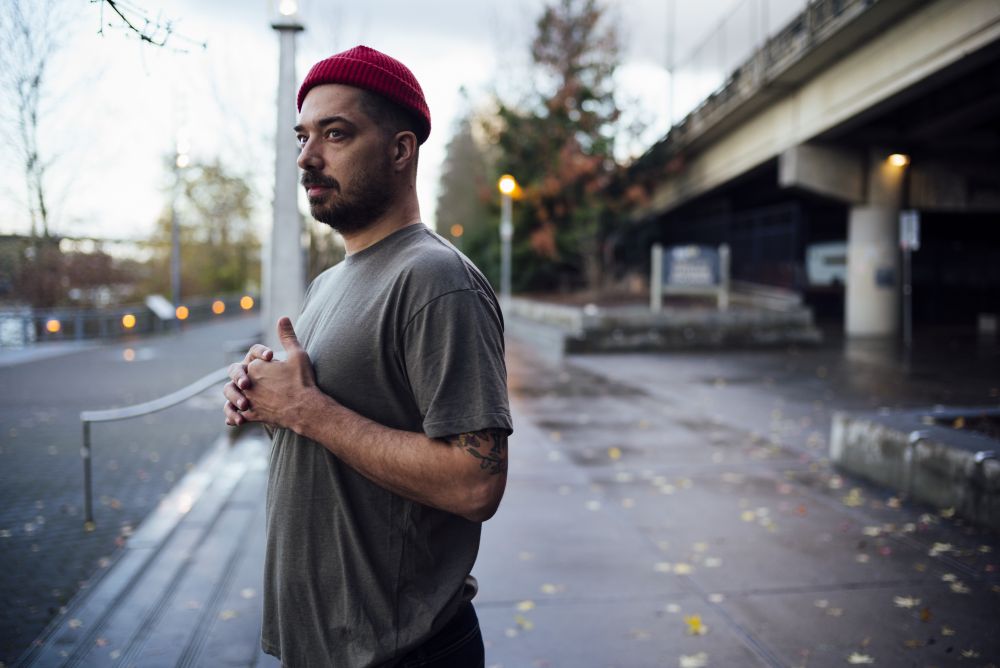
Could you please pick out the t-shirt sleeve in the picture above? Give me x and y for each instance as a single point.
(453, 353)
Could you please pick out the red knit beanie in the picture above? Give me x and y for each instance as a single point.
(372, 70)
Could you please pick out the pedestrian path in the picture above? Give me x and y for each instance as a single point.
(634, 532)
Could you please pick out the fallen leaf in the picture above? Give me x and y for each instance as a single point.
(925, 614)
(226, 615)
(947, 631)
(906, 601)
(695, 625)
(959, 588)
(526, 606)
(699, 660)
(615, 453)
(857, 658)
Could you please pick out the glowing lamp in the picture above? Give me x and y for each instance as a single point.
(218, 307)
(53, 326)
(128, 321)
(246, 303)
(507, 184)
(899, 160)
(182, 313)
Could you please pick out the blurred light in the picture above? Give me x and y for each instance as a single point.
(457, 230)
(183, 160)
(899, 160)
(184, 502)
(182, 313)
(218, 307)
(128, 355)
(246, 303)
(53, 326)
(128, 321)
(507, 184)
(288, 7)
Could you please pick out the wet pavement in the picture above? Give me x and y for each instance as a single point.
(690, 517)
(44, 552)
(662, 510)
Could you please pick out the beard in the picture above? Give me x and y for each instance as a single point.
(354, 210)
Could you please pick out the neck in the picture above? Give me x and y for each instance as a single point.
(396, 218)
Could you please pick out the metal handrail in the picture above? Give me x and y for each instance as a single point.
(113, 414)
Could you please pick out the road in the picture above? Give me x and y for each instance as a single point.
(45, 554)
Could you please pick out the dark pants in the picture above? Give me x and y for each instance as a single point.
(458, 645)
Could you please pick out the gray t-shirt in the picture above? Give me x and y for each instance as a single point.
(408, 333)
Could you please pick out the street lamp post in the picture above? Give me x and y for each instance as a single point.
(284, 263)
(181, 160)
(507, 186)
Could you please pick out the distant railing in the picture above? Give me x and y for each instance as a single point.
(138, 410)
(25, 326)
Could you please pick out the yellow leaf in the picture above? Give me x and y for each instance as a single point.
(615, 453)
(695, 625)
(526, 606)
(858, 658)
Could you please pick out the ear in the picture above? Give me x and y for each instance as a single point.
(404, 149)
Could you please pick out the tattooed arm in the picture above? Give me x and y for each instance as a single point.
(463, 474)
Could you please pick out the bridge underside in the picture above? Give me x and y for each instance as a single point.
(820, 214)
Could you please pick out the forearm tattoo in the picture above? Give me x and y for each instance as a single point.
(488, 446)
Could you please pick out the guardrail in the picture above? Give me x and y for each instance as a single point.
(137, 410)
(25, 326)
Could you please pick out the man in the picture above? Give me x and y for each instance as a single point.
(390, 416)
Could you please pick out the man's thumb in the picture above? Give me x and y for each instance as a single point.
(286, 334)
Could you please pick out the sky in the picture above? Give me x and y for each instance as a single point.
(114, 107)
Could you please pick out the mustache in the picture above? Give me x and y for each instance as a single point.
(310, 179)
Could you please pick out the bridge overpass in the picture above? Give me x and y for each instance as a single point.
(793, 154)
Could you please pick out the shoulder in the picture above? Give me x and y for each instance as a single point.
(432, 267)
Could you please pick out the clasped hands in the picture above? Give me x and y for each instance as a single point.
(263, 389)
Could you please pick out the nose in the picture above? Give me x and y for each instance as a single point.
(309, 157)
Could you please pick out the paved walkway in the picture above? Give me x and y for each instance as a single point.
(638, 530)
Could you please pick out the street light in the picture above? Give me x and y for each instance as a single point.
(284, 261)
(508, 188)
(899, 160)
(182, 159)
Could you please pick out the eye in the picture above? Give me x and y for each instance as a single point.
(334, 133)
(300, 140)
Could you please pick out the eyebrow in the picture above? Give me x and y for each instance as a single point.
(325, 121)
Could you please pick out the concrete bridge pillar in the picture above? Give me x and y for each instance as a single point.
(873, 262)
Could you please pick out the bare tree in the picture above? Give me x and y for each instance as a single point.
(29, 36)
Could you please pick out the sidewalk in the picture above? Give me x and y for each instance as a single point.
(637, 530)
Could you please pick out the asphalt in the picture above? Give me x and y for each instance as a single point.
(662, 510)
(45, 554)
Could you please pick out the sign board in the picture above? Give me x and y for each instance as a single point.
(909, 230)
(692, 266)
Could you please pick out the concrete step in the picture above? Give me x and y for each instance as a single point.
(185, 589)
(920, 454)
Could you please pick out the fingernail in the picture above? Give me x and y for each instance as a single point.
(243, 405)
